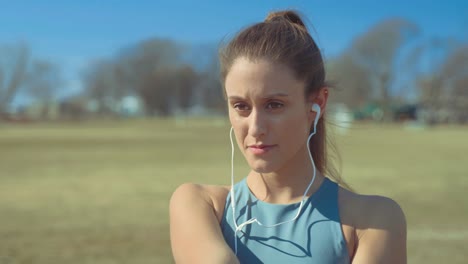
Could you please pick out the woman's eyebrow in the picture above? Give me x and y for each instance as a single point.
(277, 95)
(236, 97)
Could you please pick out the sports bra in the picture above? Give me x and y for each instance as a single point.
(314, 237)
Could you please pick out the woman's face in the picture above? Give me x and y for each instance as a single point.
(269, 114)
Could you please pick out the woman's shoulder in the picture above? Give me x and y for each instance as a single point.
(378, 224)
(213, 195)
(374, 210)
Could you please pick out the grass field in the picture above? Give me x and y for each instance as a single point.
(98, 192)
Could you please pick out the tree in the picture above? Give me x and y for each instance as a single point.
(455, 83)
(210, 91)
(377, 51)
(439, 67)
(42, 82)
(147, 69)
(154, 70)
(351, 80)
(14, 62)
(186, 79)
(104, 83)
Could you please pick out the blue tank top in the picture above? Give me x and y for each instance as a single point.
(314, 237)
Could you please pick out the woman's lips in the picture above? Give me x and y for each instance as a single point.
(260, 149)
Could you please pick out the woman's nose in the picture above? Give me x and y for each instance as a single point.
(257, 124)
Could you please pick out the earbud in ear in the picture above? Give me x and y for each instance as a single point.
(316, 108)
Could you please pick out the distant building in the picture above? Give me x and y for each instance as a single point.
(130, 106)
(340, 116)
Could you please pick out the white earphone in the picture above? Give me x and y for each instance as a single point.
(316, 108)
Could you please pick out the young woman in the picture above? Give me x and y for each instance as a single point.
(289, 208)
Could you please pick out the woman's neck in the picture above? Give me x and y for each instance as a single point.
(287, 184)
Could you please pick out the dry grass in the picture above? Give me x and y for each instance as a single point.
(98, 192)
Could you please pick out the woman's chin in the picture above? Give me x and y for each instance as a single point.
(263, 167)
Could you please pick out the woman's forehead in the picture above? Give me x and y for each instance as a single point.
(262, 78)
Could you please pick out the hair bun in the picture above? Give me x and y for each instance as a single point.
(288, 15)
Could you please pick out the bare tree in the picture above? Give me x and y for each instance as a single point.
(440, 82)
(186, 80)
(43, 81)
(154, 70)
(351, 81)
(104, 83)
(147, 69)
(14, 61)
(156, 93)
(428, 80)
(210, 89)
(377, 51)
(455, 83)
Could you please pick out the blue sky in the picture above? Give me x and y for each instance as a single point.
(75, 32)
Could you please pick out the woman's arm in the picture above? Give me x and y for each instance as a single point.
(382, 235)
(195, 232)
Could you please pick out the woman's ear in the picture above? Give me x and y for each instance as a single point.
(320, 98)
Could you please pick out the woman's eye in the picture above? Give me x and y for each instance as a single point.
(241, 107)
(274, 105)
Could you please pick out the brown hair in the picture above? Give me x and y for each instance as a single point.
(283, 38)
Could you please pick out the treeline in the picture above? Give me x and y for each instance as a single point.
(38, 79)
(388, 66)
(165, 77)
(159, 73)
(391, 65)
